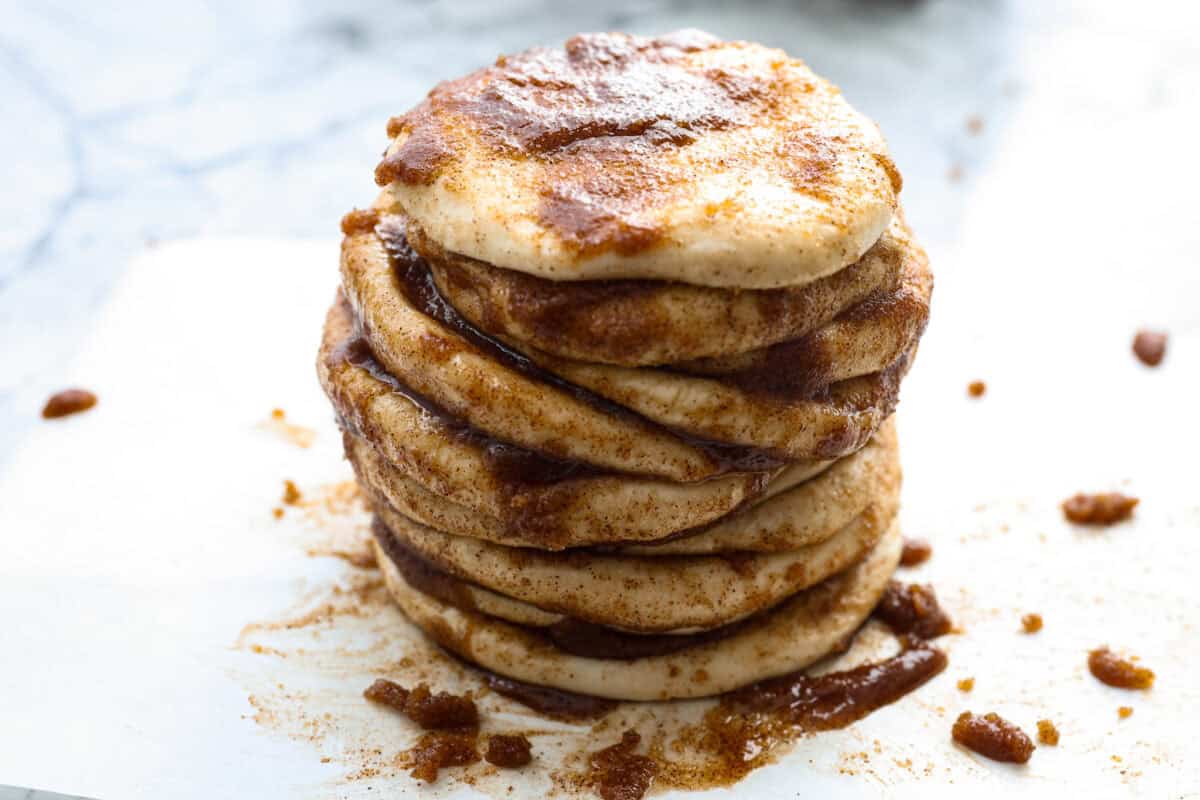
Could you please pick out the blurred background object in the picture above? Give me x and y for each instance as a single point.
(131, 123)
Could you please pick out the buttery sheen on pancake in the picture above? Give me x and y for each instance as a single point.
(680, 158)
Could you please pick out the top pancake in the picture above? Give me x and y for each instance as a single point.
(679, 158)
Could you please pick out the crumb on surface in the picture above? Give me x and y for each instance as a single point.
(974, 124)
(1047, 733)
(1106, 508)
(68, 402)
(1113, 670)
(976, 389)
(508, 750)
(1125, 712)
(966, 684)
(291, 494)
(993, 737)
(1031, 623)
(277, 512)
(1150, 347)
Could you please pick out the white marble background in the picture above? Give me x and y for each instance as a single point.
(127, 123)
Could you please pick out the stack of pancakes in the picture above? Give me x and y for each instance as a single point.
(615, 354)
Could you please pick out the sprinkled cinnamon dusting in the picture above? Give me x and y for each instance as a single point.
(597, 117)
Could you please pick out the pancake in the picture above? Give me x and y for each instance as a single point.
(863, 339)
(798, 516)
(485, 391)
(599, 510)
(646, 594)
(646, 323)
(833, 423)
(794, 635)
(679, 158)
(550, 413)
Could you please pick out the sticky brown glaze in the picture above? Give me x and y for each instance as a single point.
(915, 552)
(913, 609)
(1099, 509)
(618, 773)
(509, 751)
(515, 466)
(1109, 668)
(1150, 347)
(553, 703)
(67, 402)
(421, 291)
(589, 640)
(608, 101)
(749, 723)
(993, 736)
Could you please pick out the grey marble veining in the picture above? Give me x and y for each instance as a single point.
(131, 123)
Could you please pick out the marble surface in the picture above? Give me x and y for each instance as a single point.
(128, 124)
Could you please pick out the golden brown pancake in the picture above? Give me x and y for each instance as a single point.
(793, 635)
(643, 593)
(647, 323)
(679, 158)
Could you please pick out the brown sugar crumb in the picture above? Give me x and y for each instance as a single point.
(1047, 733)
(1031, 623)
(388, 693)
(359, 221)
(1111, 669)
(1150, 347)
(1125, 712)
(291, 495)
(67, 402)
(278, 414)
(429, 710)
(437, 750)
(620, 774)
(441, 710)
(277, 512)
(913, 609)
(992, 736)
(916, 551)
(1099, 509)
(976, 388)
(508, 751)
(966, 684)
(974, 124)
